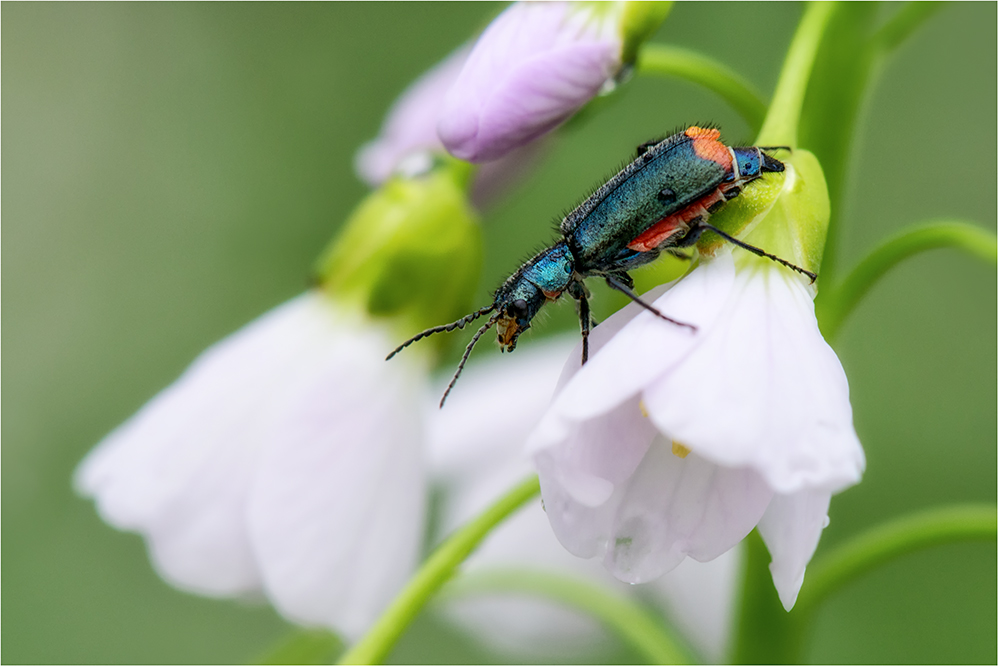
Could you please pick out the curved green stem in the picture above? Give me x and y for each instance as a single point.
(837, 303)
(662, 60)
(438, 568)
(780, 126)
(886, 542)
(304, 646)
(626, 618)
(902, 24)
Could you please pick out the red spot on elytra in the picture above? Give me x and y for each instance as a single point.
(677, 223)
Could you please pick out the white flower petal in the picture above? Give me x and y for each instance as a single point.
(179, 470)
(791, 528)
(646, 347)
(673, 507)
(764, 390)
(580, 477)
(336, 510)
(466, 437)
(477, 460)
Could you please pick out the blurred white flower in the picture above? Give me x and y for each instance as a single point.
(669, 444)
(286, 460)
(476, 454)
(534, 66)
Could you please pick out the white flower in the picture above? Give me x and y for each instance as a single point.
(287, 460)
(748, 424)
(476, 454)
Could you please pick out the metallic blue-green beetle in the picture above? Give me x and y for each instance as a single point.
(659, 202)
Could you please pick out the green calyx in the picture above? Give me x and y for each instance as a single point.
(785, 214)
(411, 252)
(640, 20)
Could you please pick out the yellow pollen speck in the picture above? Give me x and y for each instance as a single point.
(644, 410)
(679, 450)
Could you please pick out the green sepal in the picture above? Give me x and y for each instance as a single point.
(639, 22)
(411, 252)
(785, 214)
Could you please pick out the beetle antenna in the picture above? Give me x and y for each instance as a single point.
(760, 252)
(467, 353)
(446, 328)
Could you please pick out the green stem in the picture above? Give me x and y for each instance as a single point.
(304, 646)
(626, 618)
(662, 60)
(436, 570)
(765, 633)
(835, 304)
(888, 541)
(780, 126)
(902, 24)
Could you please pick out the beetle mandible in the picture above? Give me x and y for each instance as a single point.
(660, 202)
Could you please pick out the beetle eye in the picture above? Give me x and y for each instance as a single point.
(518, 308)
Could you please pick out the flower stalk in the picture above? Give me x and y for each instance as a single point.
(780, 126)
(435, 571)
(888, 541)
(838, 302)
(732, 87)
(629, 620)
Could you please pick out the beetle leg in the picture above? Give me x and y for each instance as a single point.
(586, 321)
(577, 290)
(614, 282)
(760, 252)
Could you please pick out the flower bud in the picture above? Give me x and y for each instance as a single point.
(410, 252)
(410, 125)
(784, 213)
(533, 67)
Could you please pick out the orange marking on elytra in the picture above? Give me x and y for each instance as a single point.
(707, 146)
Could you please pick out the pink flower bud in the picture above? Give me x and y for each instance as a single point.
(532, 68)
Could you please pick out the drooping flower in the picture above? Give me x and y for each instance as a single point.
(534, 66)
(285, 461)
(474, 458)
(288, 459)
(669, 444)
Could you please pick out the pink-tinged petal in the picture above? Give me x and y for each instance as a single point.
(533, 67)
(673, 507)
(633, 347)
(178, 471)
(411, 124)
(582, 476)
(699, 599)
(336, 510)
(764, 390)
(408, 138)
(791, 528)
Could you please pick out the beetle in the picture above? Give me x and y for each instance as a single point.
(660, 202)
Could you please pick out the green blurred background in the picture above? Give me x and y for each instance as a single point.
(172, 171)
